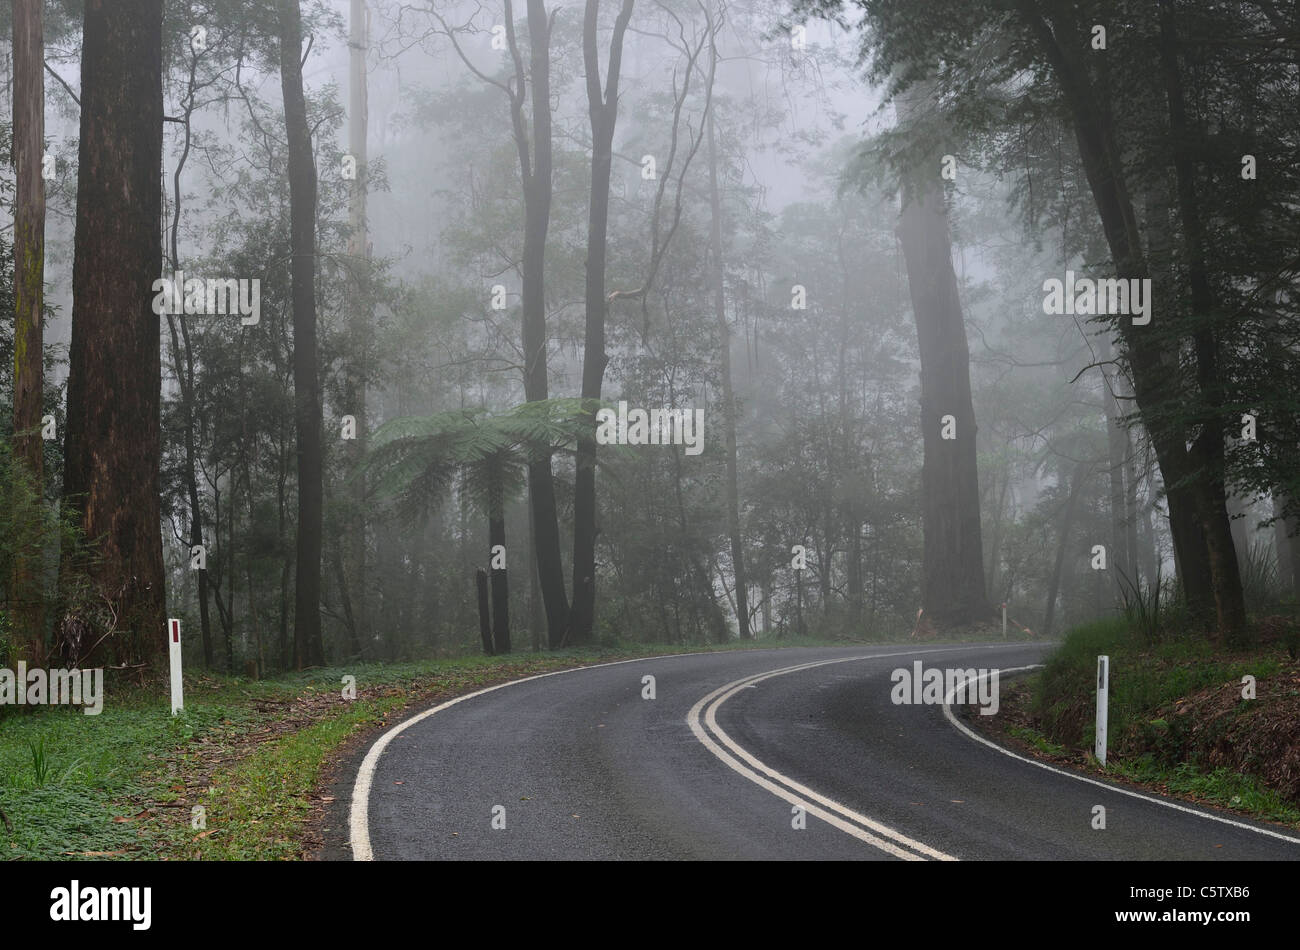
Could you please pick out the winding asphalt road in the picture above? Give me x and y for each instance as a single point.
(717, 764)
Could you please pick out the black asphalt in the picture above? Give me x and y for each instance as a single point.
(585, 768)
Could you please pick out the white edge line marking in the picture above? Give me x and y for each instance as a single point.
(724, 693)
(359, 813)
(359, 816)
(947, 711)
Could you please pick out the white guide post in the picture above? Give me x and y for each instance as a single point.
(174, 645)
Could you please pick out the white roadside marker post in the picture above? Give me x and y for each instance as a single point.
(174, 644)
(1004, 620)
(1103, 690)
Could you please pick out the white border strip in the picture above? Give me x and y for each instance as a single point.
(947, 711)
(359, 817)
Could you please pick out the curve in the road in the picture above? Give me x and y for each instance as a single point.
(891, 840)
(590, 770)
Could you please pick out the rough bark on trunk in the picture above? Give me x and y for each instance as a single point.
(953, 583)
(26, 600)
(114, 365)
(308, 648)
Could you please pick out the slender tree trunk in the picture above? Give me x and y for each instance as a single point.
(1191, 560)
(230, 573)
(26, 596)
(536, 172)
(308, 648)
(183, 366)
(345, 598)
(258, 646)
(728, 394)
(484, 615)
(359, 252)
(1288, 546)
(715, 620)
(995, 546)
(113, 446)
(1123, 561)
(536, 620)
(286, 552)
(602, 108)
(1067, 524)
(500, 581)
(1131, 513)
(430, 620)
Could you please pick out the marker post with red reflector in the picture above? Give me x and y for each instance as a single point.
(1103, 707)
(174, 645)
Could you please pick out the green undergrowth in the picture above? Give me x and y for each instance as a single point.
(122, 784)
(1181, 717)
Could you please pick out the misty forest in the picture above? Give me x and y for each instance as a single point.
(353, 331)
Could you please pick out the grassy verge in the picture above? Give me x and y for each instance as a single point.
(1180, 718)
(124, 784)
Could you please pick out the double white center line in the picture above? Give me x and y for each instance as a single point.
(875, 833)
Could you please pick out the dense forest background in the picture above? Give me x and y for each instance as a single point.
(827, 226)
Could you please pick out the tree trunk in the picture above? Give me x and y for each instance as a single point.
(1154, 368)
(1288, 546)
(536, 173)
(1242, 521)
(953, 584)
(114, 365)
(1123, 561)
(535, 618)
(1209, 448)
(26, 596)
(286, 553)
(1067, 523)
(484, 619)
(191, 474)
(715, 620)
(728, 395)
(995, 545)
(359, 252)
(183, 366)
(1191, 559)
(308, 648)
(500, 582)
(1131, 496)
(602, 107)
